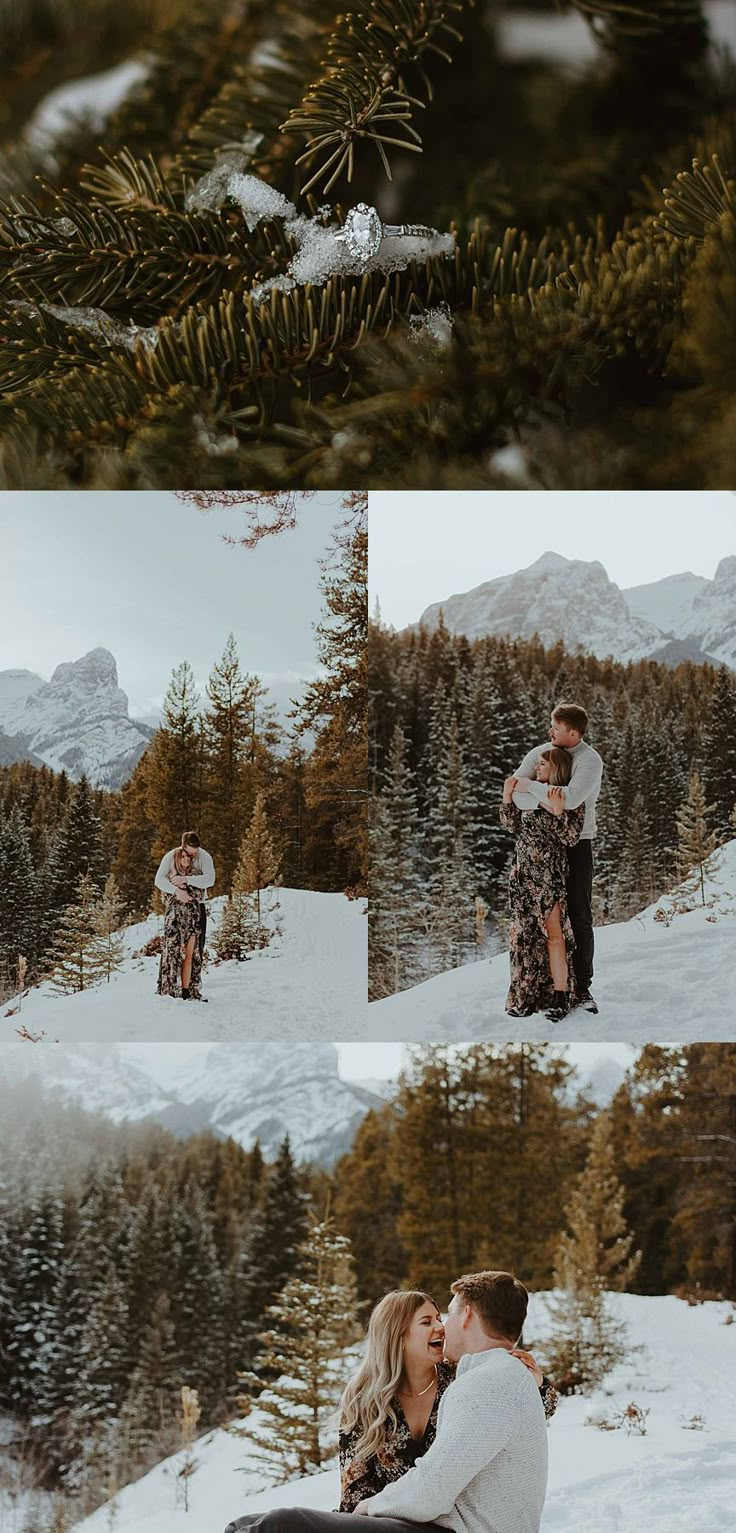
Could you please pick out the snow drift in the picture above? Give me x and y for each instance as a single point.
(305, 985)
(665, 974)
(680, 1476)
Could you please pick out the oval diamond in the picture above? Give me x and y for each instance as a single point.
(363, 231)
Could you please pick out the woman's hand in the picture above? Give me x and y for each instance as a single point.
(182, 896)
(178, 879)
(508, 789)
(530, 1363)
(556, 800)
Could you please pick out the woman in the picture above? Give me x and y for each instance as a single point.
(388, 1417)
(180, 971)
(541, 941)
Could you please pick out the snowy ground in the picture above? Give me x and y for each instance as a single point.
(311, 983)
(673, 1480)
(653, 980)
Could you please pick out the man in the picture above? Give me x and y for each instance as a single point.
(174, 883)
(486, 1471)
(568, 724)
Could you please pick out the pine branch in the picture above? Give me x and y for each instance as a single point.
(376, 60)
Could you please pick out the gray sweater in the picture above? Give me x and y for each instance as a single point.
(486, 1471)
(583, 787)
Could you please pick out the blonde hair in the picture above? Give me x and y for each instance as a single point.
(192, 865)
(366, 1402)
(560, 765)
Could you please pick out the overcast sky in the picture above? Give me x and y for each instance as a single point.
(428, 545)
(356, 1061)
(150, 579)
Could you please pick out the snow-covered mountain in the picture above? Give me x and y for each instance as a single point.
(573, 601)
(680, 1476)
(244, 1091)
(310, 983)
(77, 722)
(666, 975)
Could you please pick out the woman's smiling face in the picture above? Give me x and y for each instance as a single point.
(424, 1341)
(544, 767)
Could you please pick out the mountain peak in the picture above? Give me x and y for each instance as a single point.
(95, 669)
(726, 568)
(548, 563)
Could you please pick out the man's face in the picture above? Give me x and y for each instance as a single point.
(454, 1334)
(190, 851)
(561, 734)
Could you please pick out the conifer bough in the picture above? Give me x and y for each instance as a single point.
(149, 340)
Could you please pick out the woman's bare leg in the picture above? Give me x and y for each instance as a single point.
(557, 949)
(186, 968)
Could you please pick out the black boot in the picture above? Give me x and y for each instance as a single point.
(184, 994)
(559, 1008)
(520, 1011)
(587, 1003)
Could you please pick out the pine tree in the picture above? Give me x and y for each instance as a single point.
(697, 844)
(227, 724)
(367, 1179)
(271, 1255)
(77, 959)
(250, 918)
(109, 950)
(136, 842)
(334, 706)
(594, 1255)
(19, 905)
(451, 877)
(307, 1352)
(718, 769)
(148, 1414)
(396, 909)
(174, 762)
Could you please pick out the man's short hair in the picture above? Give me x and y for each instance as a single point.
(500, 1301)
(190, 838)
(572, 714)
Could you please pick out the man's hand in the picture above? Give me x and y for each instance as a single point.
(182, 896)
(178, 879)
(530, 1363)
(556, 800)
(508, 789)
(524, 784)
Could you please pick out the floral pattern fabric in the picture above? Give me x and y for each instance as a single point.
(181, 921)
(538, 882)
(360, 1478)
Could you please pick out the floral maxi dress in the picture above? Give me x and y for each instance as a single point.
(181, 921)
(538, 882)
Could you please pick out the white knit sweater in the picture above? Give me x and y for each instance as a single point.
(486, 1471)
(583, 787)
(203, 880)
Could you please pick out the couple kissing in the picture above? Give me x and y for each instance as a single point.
(443, 1425)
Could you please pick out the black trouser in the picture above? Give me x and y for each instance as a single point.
(202, 926)
(305, 1519)
(579, 903)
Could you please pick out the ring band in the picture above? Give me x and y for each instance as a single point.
(363, 232)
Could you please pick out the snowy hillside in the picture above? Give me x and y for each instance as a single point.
(665, 975)
(311, 983)
(77, 722)
(238, 1090)
(573, 601)
(672, 1480)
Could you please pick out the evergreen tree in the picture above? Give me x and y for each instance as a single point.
(366, 1178)
(33, 1326)
(243, 927)
(594, 1255)
(697, 844)
(76, 958)
(174, 762)
(136, 842)
(197, 1287)
(334, 706)
(718, 769)
(271, 1255)
(109, 950)
(19, 906)
(397, 908)
(307, 1352)
(452, 881)
(227, 724)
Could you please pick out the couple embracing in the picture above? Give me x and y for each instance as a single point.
(549, 806)
(443, 1425)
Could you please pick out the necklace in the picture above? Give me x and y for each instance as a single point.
(417, 1394)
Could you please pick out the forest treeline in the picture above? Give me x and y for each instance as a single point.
(133, 1263)
(216, 763)
(451, 717)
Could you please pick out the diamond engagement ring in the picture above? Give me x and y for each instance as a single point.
(363, 232)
